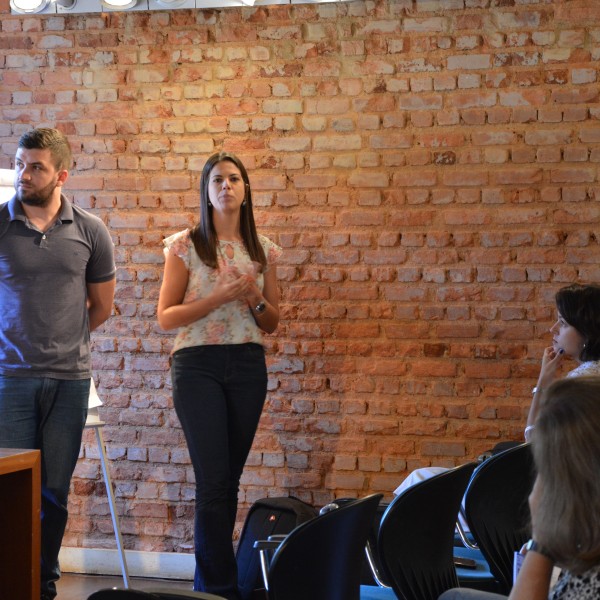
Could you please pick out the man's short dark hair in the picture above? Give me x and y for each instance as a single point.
(44, 138)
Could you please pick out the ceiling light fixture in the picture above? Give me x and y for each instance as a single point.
(170, 3)
(118, 4)
(29, 6)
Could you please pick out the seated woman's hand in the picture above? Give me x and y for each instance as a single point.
(551, 361)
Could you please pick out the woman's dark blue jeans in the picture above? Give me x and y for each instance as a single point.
(218, 393)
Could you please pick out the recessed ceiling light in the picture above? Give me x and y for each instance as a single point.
(29, 6)
(118, 4)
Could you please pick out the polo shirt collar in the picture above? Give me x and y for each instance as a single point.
(16, 212)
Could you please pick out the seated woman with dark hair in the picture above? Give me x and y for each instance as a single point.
(575, 336)
(565, 511)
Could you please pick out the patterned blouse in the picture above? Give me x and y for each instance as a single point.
(586, 369)
(577, 587)
(231, 323)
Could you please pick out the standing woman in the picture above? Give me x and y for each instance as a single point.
(220, 290)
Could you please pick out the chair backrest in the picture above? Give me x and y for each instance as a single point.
(121, 594)
(321, 559)
(497, 510)
(416, 536)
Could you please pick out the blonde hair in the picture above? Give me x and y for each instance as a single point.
(566, 450)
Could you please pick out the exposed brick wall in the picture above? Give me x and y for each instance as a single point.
(431, 170)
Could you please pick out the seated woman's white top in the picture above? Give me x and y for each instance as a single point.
(417, 476)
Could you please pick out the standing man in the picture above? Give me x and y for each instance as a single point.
(57, 283)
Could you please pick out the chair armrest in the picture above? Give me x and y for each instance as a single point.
(267, 544)
(463, 536)
(375, 571)
(264, 547)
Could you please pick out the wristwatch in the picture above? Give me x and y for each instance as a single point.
(533, 546)
(260, 308)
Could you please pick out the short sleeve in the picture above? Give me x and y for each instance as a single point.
(179, 244)
(271, 249)
(101, 265)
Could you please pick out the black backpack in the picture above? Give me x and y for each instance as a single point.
(267, 516)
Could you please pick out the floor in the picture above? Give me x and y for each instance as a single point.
(78, 587)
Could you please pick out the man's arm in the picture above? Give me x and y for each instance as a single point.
(100, 298)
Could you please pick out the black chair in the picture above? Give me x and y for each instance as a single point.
(497, 510)
(150, 594)
(322, 558)
(416, 538)
(163, 593)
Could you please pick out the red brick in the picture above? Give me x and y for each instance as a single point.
(573, 175)
(427, 218)
(443, 449)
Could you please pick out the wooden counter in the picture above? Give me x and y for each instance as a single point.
(20, 508)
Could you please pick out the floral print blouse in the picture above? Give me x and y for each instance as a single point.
(233, 322)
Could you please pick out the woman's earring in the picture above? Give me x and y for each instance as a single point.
(209, 203)
(244, 203)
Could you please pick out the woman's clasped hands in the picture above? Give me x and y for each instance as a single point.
(233, 285)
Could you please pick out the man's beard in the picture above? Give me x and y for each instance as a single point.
(39, 198)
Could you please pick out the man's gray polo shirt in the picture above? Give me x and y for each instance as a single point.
(44, 330)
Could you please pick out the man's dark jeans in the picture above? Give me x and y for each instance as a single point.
(49, 415)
